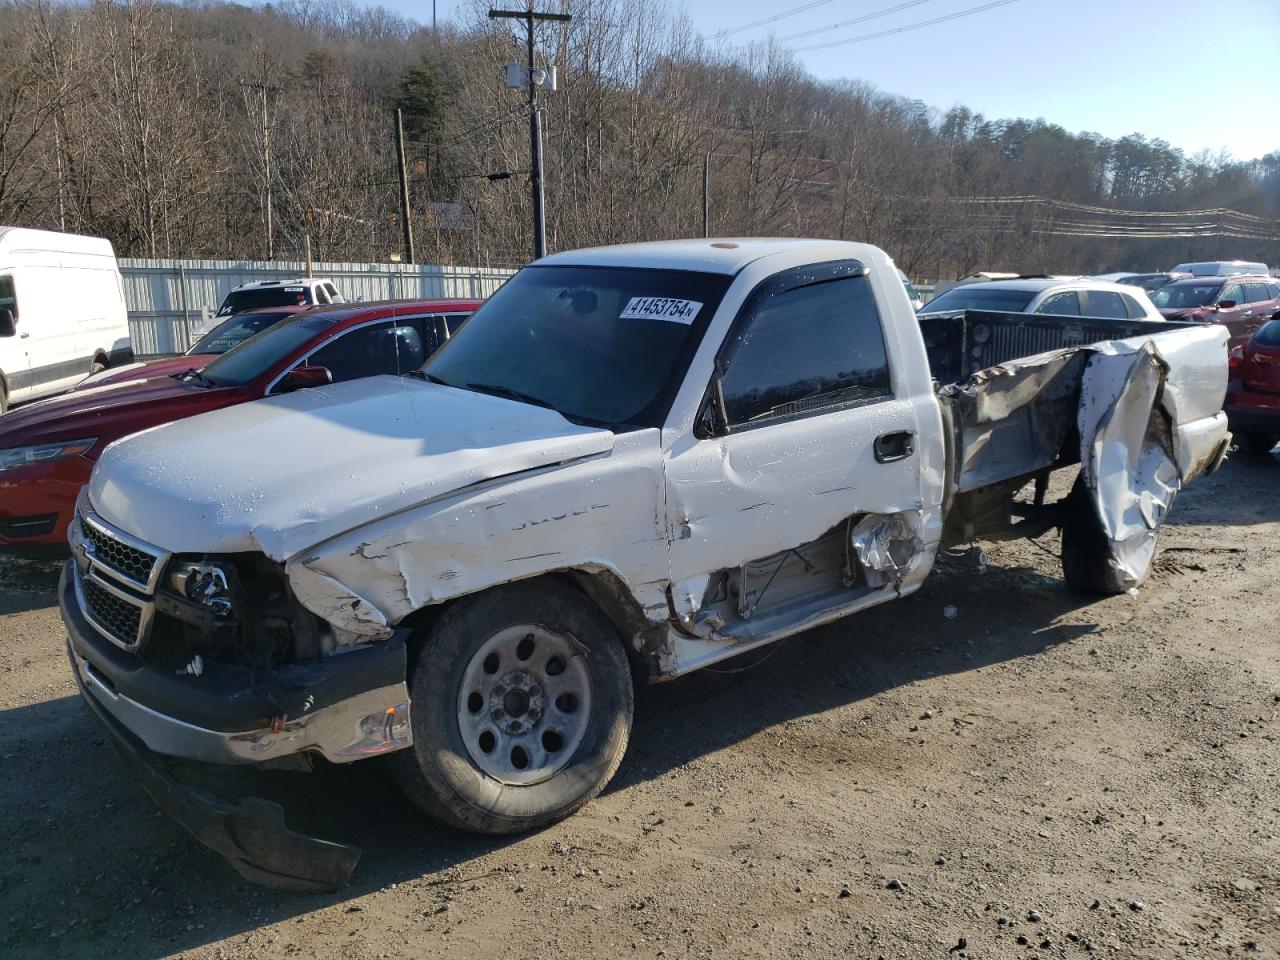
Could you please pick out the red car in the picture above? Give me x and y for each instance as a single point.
(216, 342)
(48, 449)
(1239, 303)
(1253, 390)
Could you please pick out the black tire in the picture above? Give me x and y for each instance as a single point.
(98, 365)
(4, 401)
(1252, 441)
(439, 773)
(1086, 551)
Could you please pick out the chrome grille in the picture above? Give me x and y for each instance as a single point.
(117, 556)
(120, 619)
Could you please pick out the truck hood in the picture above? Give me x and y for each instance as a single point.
(283, 474)
(107, 412)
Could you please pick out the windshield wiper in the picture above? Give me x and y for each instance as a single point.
(191, 374)
(421, 374)
(498, 390)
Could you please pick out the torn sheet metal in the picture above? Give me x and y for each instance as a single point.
(1146, 428)
(1011, 419)
(886, 545)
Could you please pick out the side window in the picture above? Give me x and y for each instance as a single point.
(1235, 293)
(1273, 291)
(332, 293)
(8, 296)
(1135, 309)
(453, 322)
(318, 293)
(804, 350)
(1256, 292)
(390, 347)
(1105, 304)
(1061, 304)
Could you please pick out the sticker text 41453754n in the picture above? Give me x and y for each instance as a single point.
(661, 308)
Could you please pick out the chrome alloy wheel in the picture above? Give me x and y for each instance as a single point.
(524, 704)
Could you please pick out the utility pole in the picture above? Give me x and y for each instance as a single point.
(406, 221)
(535, 121)
(264, 89)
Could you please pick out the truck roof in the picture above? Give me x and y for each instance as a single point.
(25, 238)
(725, 255)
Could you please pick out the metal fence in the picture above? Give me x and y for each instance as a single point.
(169, 300)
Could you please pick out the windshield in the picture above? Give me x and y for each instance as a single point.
(238, 301)
(1185, 295)
(235, 330)
(1149, 282)
(603, 345)
(252, 358)
(978, 297)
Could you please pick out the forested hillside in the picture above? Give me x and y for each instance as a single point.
(144, 122)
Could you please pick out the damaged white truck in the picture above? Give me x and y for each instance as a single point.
(631, 463)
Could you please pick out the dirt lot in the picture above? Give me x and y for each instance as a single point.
(1041, 776)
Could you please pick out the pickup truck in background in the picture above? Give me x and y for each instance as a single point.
(632, 462)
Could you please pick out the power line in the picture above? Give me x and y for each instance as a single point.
(911, 26)
(849, 23)
(773, 19)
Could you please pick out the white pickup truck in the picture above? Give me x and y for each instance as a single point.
(632, 462)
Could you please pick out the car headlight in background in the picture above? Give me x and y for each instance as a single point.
(205, 584)
(16, 457)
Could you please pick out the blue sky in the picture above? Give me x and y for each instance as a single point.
(1197, 74)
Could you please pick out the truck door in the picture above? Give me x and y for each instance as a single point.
(801, 428)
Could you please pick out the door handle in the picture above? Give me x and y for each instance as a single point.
(894, 446)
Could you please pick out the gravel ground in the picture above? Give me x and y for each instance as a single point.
(1043, 776)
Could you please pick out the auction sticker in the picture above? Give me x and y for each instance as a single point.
(661, 308)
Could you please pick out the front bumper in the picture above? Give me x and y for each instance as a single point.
(346, 707)
(251, 835)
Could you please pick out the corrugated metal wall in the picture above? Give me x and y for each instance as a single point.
(167, 298)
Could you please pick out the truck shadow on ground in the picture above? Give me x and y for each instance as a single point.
(94, 870)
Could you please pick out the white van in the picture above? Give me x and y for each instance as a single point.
(62, 312)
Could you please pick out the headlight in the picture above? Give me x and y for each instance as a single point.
(205, 584)
(16, 457)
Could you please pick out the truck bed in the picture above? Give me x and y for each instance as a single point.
(1023, 395)
(961, 344)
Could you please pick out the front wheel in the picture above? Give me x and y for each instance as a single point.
(521, 708)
